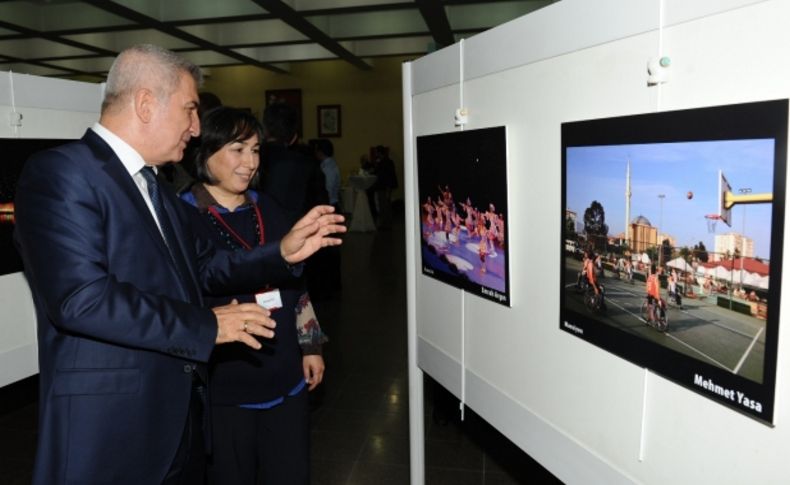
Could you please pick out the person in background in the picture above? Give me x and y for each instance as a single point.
(259, 406)
(673, 290)
(291, 176)
(653, 291)
(117, 276)
(590, 272)
(324, 270)
(365, 166)
(370, 169)
(180, 176)
(324, 153)
(366, 169)
(386, 182)
(288, 174)
(208, 101)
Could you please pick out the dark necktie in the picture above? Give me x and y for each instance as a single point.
(172, 247)
(168, 233)
(159, 207)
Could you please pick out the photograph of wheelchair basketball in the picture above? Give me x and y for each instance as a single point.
(671, 236)
(676, 239)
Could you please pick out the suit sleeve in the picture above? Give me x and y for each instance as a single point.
(222, 272)
(62, 231)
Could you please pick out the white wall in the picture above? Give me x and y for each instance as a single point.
(585, 414)
(50, 108)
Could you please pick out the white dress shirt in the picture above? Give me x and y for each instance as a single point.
(132, 162)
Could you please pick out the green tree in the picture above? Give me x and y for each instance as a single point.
(652, 253)
(595, 224)
(701, 252)
(666, 252)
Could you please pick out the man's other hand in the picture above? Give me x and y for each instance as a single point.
(239, 322)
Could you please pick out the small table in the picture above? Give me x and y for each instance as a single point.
(347, 199)
(361, 219)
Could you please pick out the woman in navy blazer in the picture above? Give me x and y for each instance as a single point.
(259, 407)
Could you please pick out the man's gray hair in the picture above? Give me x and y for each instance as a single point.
(146, 66)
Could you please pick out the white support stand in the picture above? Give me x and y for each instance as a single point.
(416, 398)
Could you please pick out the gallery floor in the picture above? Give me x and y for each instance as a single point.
(360, 415)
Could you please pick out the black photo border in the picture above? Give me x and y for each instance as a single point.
(14, 152)
(765, 119)
(454, 140)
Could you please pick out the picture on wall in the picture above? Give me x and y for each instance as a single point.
(329, 120)
(463, 210)
(672, 226)
(14, 152)
(291, 97)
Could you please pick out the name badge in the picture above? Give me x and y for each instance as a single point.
(269, 299)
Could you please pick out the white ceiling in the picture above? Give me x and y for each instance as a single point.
(77, 38)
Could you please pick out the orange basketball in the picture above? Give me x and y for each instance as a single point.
(690, 195)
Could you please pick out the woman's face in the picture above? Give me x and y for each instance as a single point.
(234, 165)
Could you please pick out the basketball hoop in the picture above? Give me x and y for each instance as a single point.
(712, 219)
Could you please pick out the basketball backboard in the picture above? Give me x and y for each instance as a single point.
(725, 199)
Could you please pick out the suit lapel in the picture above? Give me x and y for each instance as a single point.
(117, 172)
(181, 251)
(128, 189)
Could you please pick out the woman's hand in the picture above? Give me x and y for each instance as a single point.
(313, 366)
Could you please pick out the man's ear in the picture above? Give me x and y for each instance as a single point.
(144, 104)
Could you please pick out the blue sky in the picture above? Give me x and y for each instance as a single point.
(673, 169)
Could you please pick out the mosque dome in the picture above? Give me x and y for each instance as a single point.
(642, 221)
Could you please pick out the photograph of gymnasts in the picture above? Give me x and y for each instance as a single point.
(463, 210)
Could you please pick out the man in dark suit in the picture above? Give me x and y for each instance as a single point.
(117, 277)
(289, 173)
(292, 177)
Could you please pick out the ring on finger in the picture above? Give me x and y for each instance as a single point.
(246, 327)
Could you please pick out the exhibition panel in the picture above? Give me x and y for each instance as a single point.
(648, 108)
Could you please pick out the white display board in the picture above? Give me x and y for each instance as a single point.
(585, 414)
(35, 107)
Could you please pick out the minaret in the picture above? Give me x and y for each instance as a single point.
(627, 231)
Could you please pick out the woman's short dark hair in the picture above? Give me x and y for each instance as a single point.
(218, 127)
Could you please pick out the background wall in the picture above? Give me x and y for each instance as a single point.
(370, 102)
(585, 414)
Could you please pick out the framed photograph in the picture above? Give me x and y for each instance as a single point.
(676, 219)
(291, 97)
(463, 210)
(329, 121)
(15, 152)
